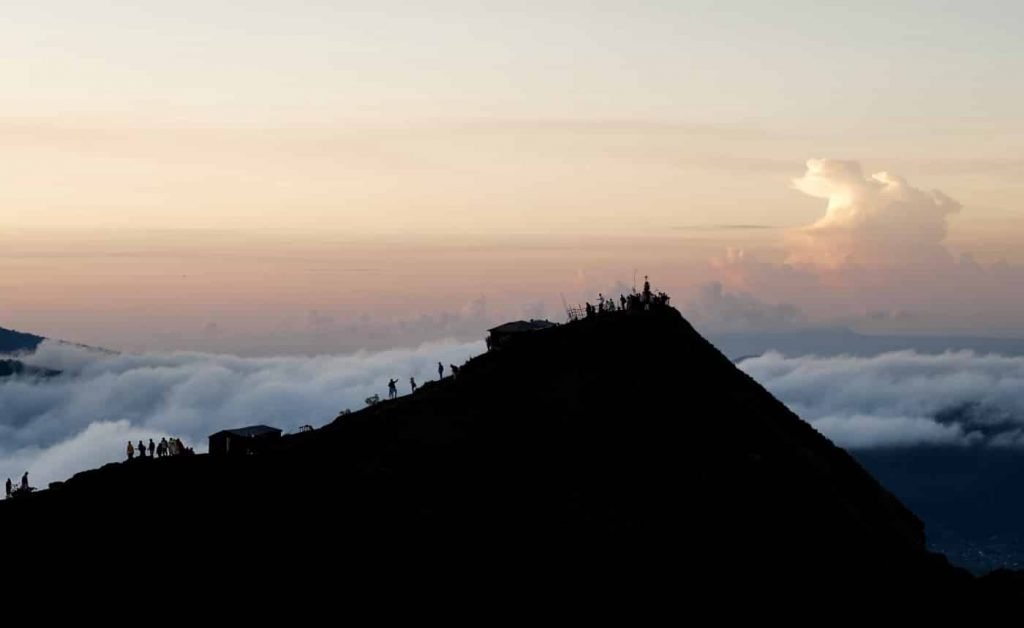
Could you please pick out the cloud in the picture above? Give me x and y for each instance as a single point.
(876, 260)
(902, 398)
(84, 418)
(873, 220)
(714, 309)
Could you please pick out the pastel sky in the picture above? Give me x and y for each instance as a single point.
(271, 176)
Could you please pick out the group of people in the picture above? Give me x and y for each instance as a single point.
(634, 302)
(166, 447)
(24, 488)
(393, 383)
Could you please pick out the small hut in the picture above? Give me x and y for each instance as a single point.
(502, 334)
(243, 440)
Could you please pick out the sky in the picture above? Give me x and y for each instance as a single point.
(268, 208)
(269, 178)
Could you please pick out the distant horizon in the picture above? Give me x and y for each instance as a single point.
(261, 178)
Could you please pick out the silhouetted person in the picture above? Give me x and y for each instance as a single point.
(412, 383)
(141, 449)
(622, 301)
(8, 487)
(600, 302)
(131, 450)
(455, 370)
(440, 371)
(152, 448)
(647, 293)
(392, 388)
(24, 482)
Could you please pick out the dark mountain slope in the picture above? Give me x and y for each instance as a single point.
(619, 448)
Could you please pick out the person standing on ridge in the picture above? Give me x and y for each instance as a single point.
(8, 487)
(131, 450)
(440, 371)
(141, 449)
(24, 482)
(392, 388)
(152, 448)
(412, 383)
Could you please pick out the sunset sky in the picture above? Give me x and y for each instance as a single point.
(276, 177)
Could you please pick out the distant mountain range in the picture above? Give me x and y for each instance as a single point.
(837, 341)
(14, 342)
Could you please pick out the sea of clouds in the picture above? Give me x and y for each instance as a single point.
(55, 427)
(902, 399)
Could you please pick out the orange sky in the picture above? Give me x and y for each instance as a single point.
(256, 178)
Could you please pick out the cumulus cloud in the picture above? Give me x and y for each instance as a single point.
(902, 398)
(83, 418)
(876, 260)
(872, 220)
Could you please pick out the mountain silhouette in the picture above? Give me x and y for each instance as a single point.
(615, 448)
(18, 342)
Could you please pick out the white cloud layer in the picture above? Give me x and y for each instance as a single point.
(902, 398)
(84, 418)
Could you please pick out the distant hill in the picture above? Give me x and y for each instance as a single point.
(18, 342)
(14, 343)
(622, 451)
(837, 341)
(16, 367)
